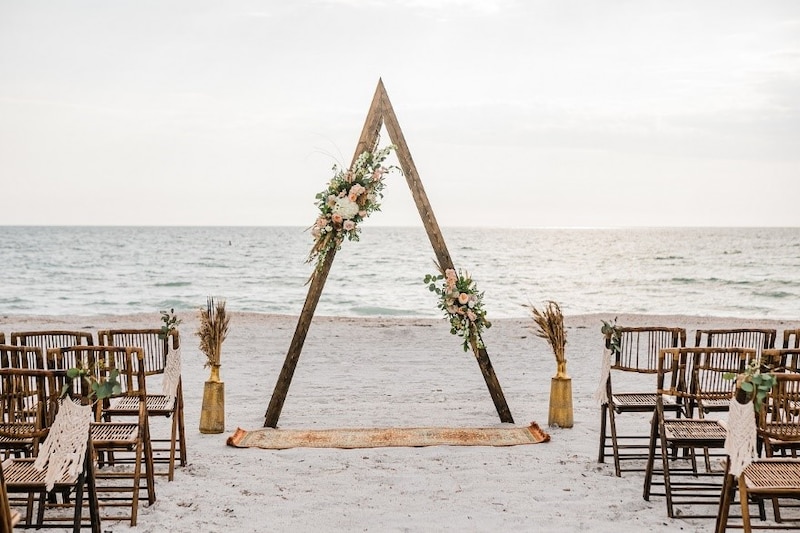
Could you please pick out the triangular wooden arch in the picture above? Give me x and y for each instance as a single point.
(380, 113)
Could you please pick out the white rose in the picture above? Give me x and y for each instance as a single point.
(346, 208)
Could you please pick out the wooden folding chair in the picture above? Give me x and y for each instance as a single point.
(157, 354)
(23, 476)
(770, 477)
(696, 377)
(123, 448)
(637, 355)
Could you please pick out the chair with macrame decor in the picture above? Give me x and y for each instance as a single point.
(64, 462)
(772, 477)
(125, 472)
(162, 367)
(628, 385)
(694, 376)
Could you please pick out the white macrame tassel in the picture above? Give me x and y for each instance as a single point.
(601, 394)
(172, 373)
(64, 451)
(740, 442)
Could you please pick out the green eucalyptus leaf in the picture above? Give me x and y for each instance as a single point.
(746, 386)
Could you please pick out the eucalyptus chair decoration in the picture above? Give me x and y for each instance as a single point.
(212, 332)
(550, 327)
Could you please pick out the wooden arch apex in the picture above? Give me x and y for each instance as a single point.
(380, 113)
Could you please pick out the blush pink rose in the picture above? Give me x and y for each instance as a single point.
(463, 298)
(336, 218)
(349, 225)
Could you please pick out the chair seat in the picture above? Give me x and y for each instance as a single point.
(22, 473)
(9, 432)
(694, 430)
(156, 404)
(773, 474)
(638, 400)
(104, 433)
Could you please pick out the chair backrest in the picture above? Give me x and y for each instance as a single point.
(778, 418)
(2, 338)
(21, 357)
(781, 359)
(699, 372)
(639, 347)
(791, 338)
(100, 361)
(756, 338)
(51, 339)
(25, 407)
(154, 347)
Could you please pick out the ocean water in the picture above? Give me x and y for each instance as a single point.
(736, 272)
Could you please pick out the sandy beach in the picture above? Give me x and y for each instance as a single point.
(393, 372)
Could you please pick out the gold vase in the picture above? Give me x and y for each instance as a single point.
(561, 413)
(212, 415)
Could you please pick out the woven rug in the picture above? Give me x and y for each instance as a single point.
(279, 439)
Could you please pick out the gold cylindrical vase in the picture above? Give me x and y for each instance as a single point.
(212, 415)
(561, 413)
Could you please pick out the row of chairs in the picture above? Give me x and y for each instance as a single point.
(684, 406)
(142, 358)
(636, 355)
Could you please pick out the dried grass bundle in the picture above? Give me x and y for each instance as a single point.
(213, 330)
(550, 327)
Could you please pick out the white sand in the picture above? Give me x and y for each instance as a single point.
(357, 372)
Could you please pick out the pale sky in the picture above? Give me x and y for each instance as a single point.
(524, 113)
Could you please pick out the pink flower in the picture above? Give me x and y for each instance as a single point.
(471, 316)
(378, 173)
(349, 225)
(362, 214)
(336, 218)
(316, 232)
(463, 298)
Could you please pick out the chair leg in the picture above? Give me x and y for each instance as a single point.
(172, 444)
(76, 520)
(744, 504)
(181, 428)
(651, 456)
(601, 454)
(667, 481)
(614, 443)
(91, 493)
(725, 499)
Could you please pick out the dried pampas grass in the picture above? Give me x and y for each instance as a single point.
(550, 327)
(213, 330)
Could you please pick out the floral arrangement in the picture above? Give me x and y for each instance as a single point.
(213, 330)
(351, 196)
(550, 327)
(462, 305)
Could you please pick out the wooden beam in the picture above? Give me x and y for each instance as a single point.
(437, 241)
(369, 138)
